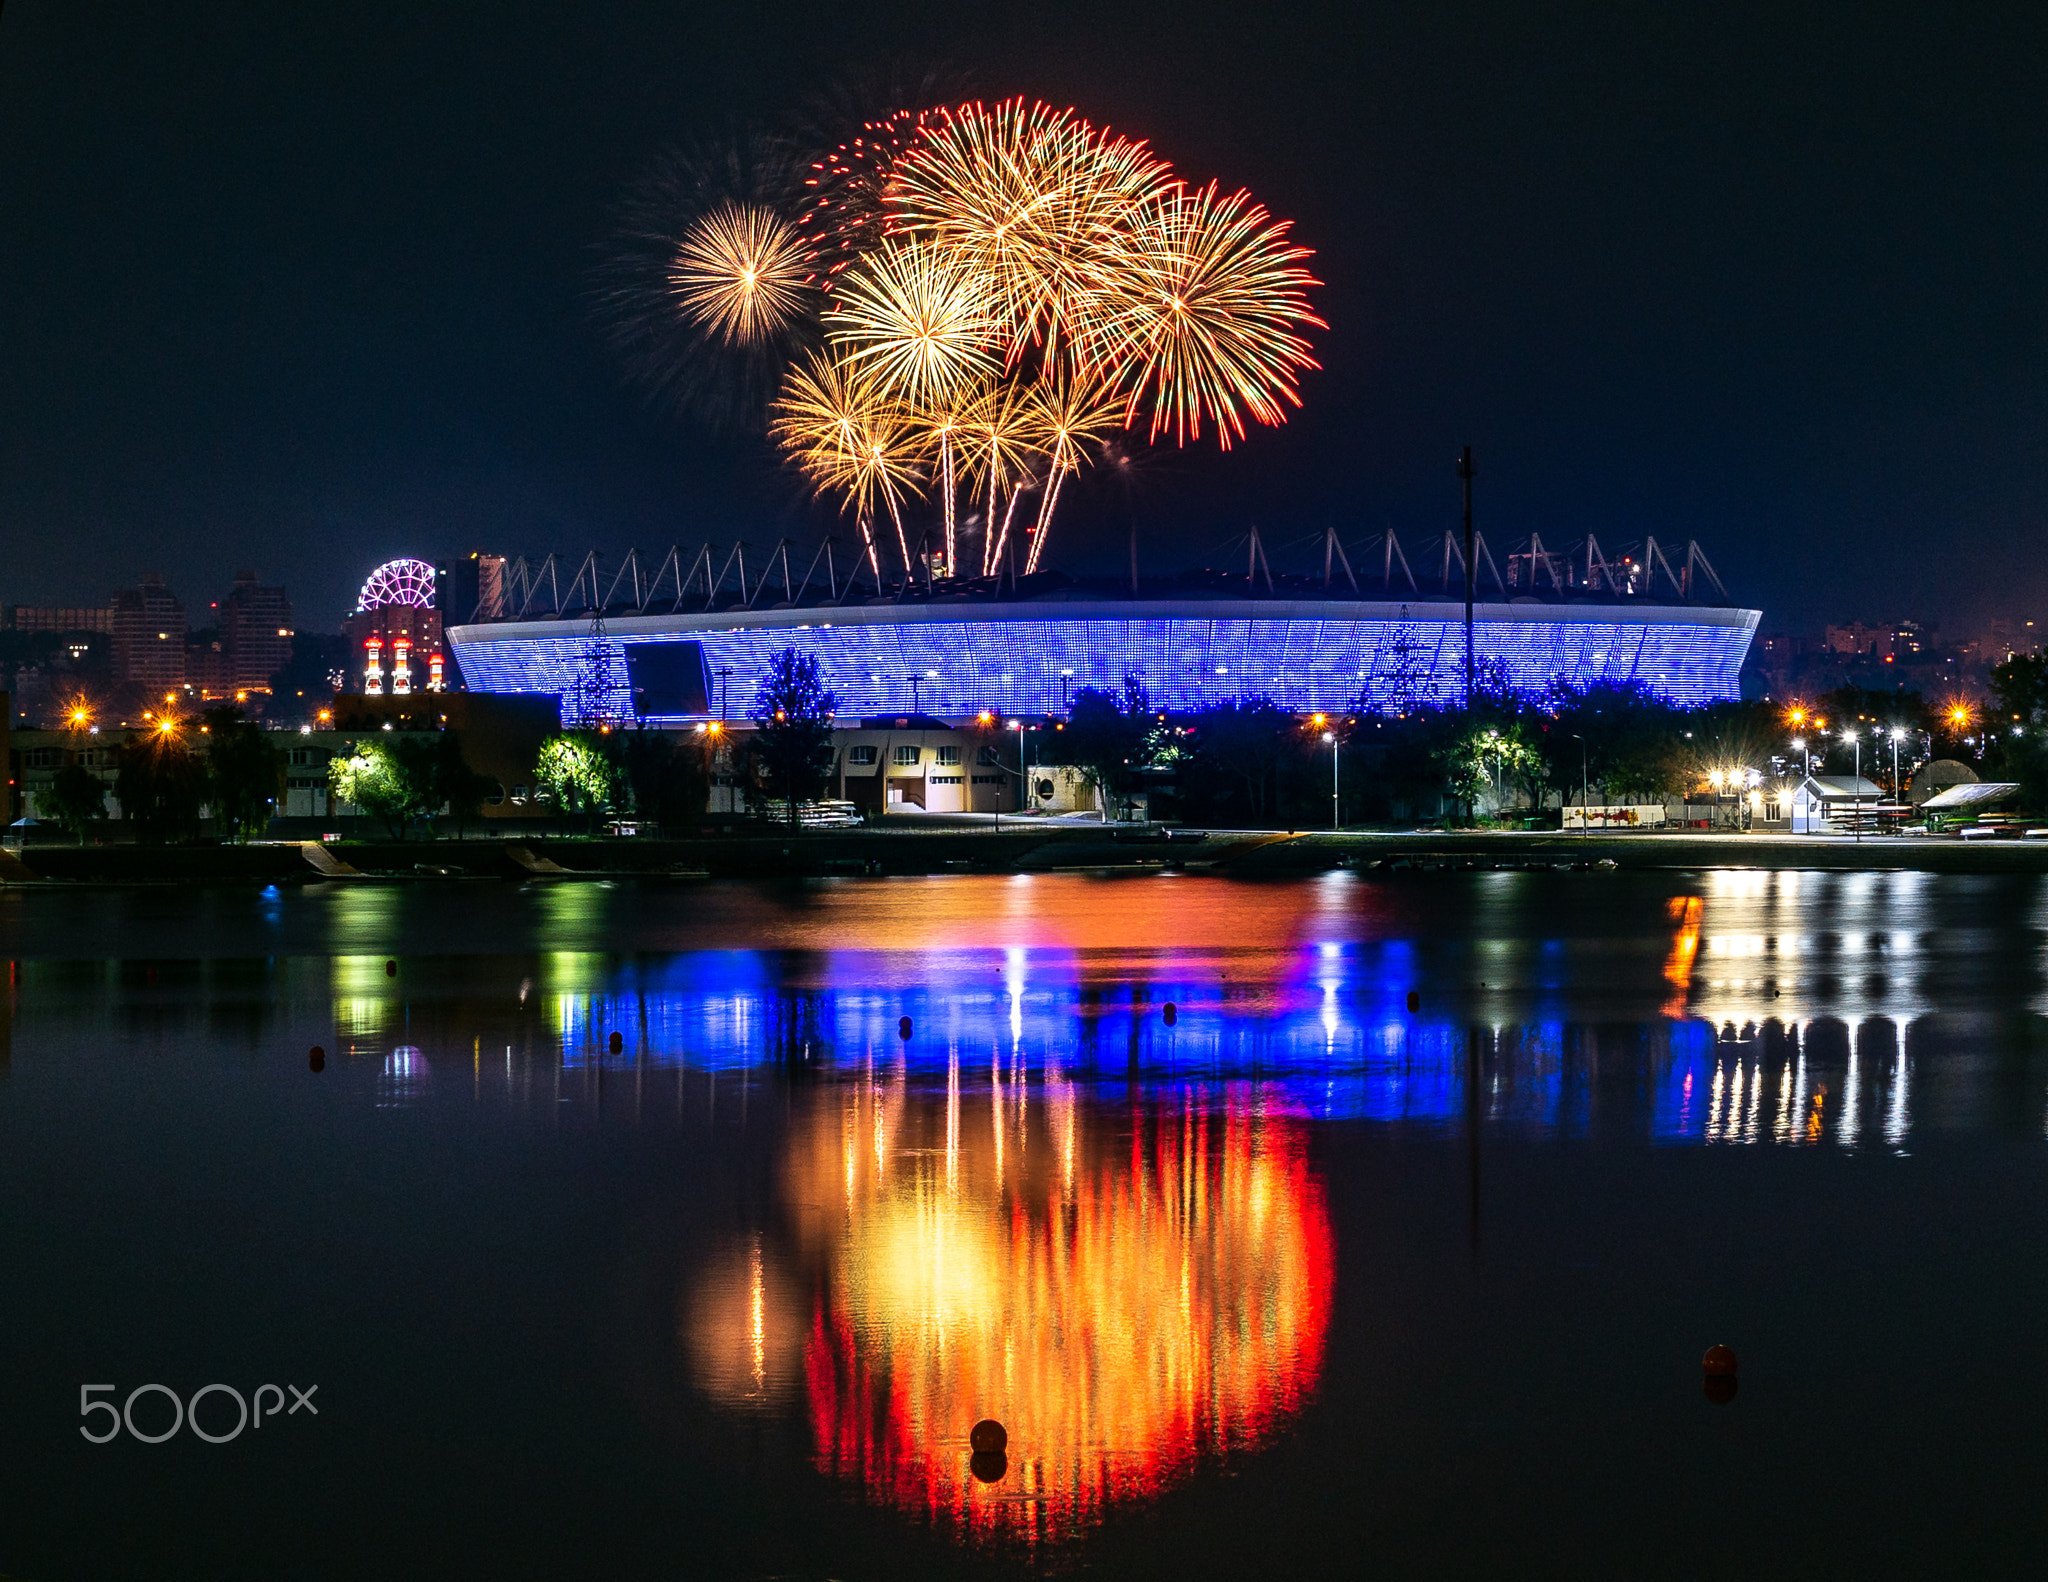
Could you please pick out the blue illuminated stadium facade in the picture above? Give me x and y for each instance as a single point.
(955, 658)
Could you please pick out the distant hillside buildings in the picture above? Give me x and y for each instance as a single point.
(141, 647)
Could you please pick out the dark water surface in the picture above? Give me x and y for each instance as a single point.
(1291, 1280)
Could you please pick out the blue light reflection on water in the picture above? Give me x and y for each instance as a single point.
(1332, 1031)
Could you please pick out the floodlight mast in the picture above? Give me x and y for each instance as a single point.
(1465, 470)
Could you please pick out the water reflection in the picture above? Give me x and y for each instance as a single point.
(1127, 1290)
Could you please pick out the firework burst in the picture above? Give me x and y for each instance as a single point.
(975, 298)
(915, 318)
(1207, 323)
(742, 273)
(1034, 201)
(851, 440)
(843, 214)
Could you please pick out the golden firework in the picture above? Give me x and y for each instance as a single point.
(998, 454)
(1034, 200)
(851, 439)
(1062, 421)
(740, 272)
(1205, 326)
(915, 318)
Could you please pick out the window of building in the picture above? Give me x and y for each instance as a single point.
(945, 780)
(990, 756)
(860, 755)
(949, 755)
(988, 780)
(1771, 809)
(904, 757)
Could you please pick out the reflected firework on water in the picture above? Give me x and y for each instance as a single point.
(1127, 1291)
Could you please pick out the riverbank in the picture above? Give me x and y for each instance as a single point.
(1041, 848)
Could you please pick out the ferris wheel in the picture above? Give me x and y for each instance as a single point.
(407, 582)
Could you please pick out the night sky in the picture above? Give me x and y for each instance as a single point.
(301, 287)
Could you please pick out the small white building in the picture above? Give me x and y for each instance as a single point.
(1831, 804)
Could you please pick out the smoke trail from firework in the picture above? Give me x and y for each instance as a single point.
(1064, 421)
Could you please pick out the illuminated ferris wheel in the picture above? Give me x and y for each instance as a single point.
(406, 582)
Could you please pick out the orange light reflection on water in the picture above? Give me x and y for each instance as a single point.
(1124, 1305)
(1687, 912)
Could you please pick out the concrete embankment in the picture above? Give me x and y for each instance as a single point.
(754, 853)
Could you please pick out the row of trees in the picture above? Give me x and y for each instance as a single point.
(788, 758)
(170, 777)
(1249, 762)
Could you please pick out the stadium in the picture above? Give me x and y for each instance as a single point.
(692, 643)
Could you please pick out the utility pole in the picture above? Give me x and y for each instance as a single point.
(1585, 789)
(1465, 470)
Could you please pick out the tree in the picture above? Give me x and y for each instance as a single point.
(161, 783)
(1494, 760)
(670, 780)
(245, 774)
(370, 776)
(792, 744)
(1244, 742)
(2016, 734)
(455, 786)
(577, 773)
(75, 800)
(1108, 738)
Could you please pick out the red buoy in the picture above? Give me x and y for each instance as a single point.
(1719, 1363)
(988, 1437)
(390, 969)
(316, 1060)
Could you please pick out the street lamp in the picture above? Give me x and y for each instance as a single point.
(1331, 738)
(1023, 779)
(1856, 784)
(1898, 735)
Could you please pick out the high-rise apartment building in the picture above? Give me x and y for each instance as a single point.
(149, 635)
(255, 633)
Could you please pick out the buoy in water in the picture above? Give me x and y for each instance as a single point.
(390, 969)
(316, 1059)
(1718, 1363)
(902, 1027)
(988, 1466)
(1169, 1013)
(988, 1437)
(1414, 1002)
(618, 1042)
